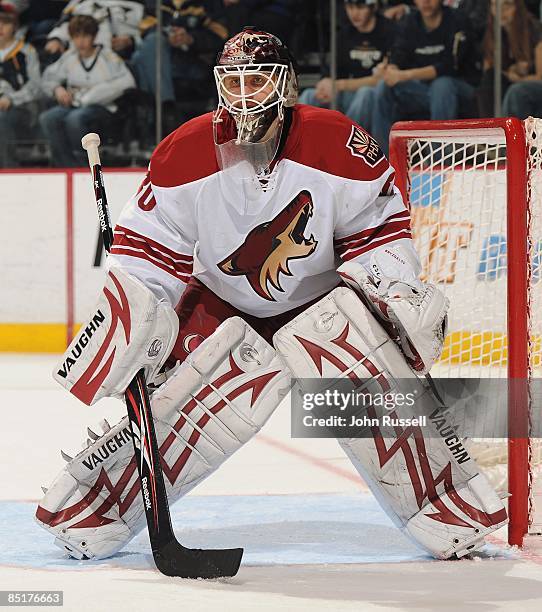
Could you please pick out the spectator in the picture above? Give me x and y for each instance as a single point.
(85, 82)
(428, 71)
(118, 21)
(232, 13)
(190, 41)
(362, 46)
(521, 62)
(475, 13)
(395, 9)
(19, 87)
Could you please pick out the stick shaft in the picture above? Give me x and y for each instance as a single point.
(146, 451)
(104, 215)
(170, 556)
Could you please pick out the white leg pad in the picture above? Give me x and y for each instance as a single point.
(213, 404)
(425, 480)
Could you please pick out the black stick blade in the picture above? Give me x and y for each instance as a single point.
(172, 559)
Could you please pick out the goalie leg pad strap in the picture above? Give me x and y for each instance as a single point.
(214, 402)
(432, 490)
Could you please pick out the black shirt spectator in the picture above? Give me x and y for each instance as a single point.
(41, 10)
(275, 16)
(190, 40)
(430, 74)
(476, 13)
(448, 48)
(363, 46)
(359, 53)
(39, 19)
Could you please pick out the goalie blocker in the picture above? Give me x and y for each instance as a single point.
(130, 329)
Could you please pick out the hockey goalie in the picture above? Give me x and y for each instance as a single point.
(267, 242)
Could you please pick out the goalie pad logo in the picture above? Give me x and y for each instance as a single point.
(191, 342)
(155, 348)
(249, 354)
(360, 144)
(324, 323)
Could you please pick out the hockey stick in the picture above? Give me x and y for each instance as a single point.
(171, 558)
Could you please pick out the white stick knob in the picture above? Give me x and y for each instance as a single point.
(90, 143)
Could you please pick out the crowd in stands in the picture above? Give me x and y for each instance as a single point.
(69, 67)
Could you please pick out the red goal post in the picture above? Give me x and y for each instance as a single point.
(475, 192)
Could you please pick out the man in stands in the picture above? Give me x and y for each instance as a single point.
(40, 18)
(85, 82)
(230, 245)
(430, 73)
(19, 87)
(118, 25)
(363, 45)
(190, 40)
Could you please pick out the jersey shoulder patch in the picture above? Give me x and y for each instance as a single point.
(331, 142)
(363, 145)
(186, 155)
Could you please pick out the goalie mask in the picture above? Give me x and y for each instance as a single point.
(255, 79)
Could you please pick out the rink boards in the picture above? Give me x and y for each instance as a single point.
(53, 269)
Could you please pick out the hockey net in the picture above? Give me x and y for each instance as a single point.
(474, 188)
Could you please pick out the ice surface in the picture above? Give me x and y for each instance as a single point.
(314, 538)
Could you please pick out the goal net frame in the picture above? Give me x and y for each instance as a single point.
(509, 132)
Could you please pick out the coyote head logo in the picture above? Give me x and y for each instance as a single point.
(268, 249)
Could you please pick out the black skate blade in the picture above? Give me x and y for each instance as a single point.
(172, 559)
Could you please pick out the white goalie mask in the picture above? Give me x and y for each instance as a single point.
(255, 80)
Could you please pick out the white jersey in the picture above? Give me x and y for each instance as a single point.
(99, 79)
(331, 197)
(114, 17)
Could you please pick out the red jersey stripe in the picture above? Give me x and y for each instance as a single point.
(377, 234)
(140, 245)
(140, 254)
(178, 266)
(156, 246)
(376, 243)
(400, 216)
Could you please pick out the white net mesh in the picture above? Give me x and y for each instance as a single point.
(533, 133)
(457, 188)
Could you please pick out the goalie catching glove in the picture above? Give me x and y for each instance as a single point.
(412, 313)
(129, 330)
